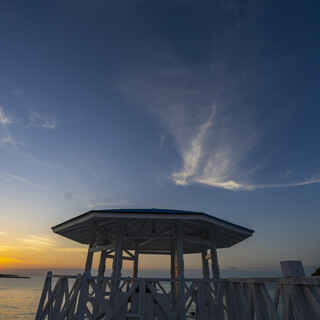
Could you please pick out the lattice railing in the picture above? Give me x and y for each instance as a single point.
(88, 297)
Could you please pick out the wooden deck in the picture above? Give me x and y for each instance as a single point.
(88, 297)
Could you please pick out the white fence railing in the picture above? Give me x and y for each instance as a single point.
(91, 297)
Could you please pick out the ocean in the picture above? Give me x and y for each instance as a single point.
(19, 298)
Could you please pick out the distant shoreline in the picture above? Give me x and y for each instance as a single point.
(2, 275)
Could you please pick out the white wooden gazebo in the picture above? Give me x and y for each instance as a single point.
(128, 233)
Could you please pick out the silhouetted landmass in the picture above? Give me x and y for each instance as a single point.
(2, 275)
(316, 273)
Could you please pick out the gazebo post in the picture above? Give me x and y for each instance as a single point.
(205, 264)
(206, 275)
(177, 266)
(88, 266)
(172, 274)
(101, 283)
(102, 264)
(135, 261)
(117, 263)
(215, 264)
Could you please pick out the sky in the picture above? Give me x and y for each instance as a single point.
(209, 106)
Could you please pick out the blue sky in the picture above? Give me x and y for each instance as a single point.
(205, 106)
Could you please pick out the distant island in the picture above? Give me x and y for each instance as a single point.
(2, 275)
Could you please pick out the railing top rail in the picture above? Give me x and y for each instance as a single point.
(290, 280)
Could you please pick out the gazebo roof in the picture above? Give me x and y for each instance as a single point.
(153, 229)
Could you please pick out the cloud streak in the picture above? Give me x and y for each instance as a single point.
(213, 136)
(4, 119)
(37, 243)
(42, 121)
(212, 142)
(192, 155)
(16, 178)
(71, 249)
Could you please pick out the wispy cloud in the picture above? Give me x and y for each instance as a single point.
(7, 139)
(106, 204)
(212, 143)
(72, 249)
(37, 243)
(192, 154)
(9, 248)
(42, 121)
(4, 119)
(213, 136)
(8, 176)
(312, 180)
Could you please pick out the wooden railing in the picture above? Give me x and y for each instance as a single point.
(89, 297)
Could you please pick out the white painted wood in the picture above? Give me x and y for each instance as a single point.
(135, 262)
(229, 233)
(117, 262)
(153, 236)
(102, 248)
(215, 264)
(197, 240)
(83, 297)
(90, 253)
(245, 300)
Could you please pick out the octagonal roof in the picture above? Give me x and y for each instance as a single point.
(153, 229)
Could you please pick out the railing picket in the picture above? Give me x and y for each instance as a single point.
(229, 303)
(313, 298)
(83, 297)
(239, 301)
(287, 304)
(69, 307)
(45, 293)
(182, 302)
(88, 313)
(164, 306)
(59, 298)
(266, 296)
(251, 311)
(260, 306)
(142, 293)
(300, 309)
(47, 310)
(276, 296)
(121, 301)
(98, 294)
(201, 310)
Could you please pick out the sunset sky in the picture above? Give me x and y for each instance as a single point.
(209, 106)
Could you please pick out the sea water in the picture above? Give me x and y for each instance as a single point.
(19, 298)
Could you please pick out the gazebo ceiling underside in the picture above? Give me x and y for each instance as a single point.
(152, 231)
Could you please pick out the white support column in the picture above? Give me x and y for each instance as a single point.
(117, 263)
(214, 257)
(215, 264)
(177, 267)
(101, 283)
(88, 266)
(102, 264)
(205, 264)
(135, 261)
(209, 303)
(172, 274)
